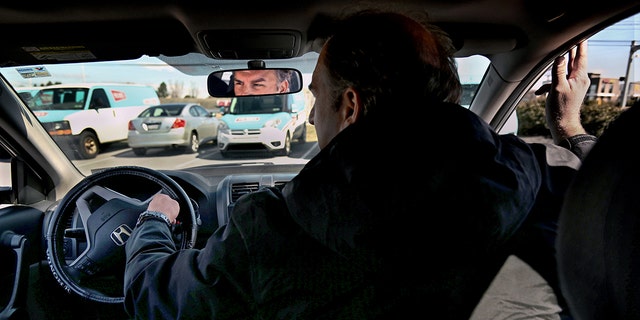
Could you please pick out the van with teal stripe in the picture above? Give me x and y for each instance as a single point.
(83, 117)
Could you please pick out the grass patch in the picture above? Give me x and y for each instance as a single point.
(311, 133)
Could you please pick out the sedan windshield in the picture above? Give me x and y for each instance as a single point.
(263, 104)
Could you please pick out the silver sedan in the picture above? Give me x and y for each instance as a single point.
(186, 125)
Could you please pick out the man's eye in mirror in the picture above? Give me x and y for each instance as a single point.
(253, 82)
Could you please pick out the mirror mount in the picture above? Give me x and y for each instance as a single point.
(256, 64)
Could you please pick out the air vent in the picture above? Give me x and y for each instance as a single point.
(240, 189)
(279, 184)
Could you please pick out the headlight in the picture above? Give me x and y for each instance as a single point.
(58, 128)
(223, 127)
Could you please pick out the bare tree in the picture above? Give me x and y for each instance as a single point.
(194, 90)
(175, 89)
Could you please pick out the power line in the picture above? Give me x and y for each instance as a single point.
(610, 43)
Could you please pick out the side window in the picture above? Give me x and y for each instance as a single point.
(612, 54)
(471, 70)
(202, 111)
(99, 99)
(160, 112)
(194, 112)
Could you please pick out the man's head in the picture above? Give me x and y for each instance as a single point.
(253, 82)
(379, 62)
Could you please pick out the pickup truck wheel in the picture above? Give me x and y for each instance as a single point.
(88, 145)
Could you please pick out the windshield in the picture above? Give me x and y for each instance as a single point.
(91, 112)
(90, 109)
(256, 105)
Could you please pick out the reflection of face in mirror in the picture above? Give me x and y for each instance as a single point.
(255, 82)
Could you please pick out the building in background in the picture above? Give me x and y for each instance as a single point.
(610, 90)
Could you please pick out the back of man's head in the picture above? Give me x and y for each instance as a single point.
(390, 58)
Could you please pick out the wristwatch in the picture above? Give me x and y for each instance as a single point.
(147, 214)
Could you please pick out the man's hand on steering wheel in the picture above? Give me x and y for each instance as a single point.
(166, 205)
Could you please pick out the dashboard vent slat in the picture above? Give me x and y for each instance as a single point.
(240, 189)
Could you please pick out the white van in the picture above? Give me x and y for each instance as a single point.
(82, 117)
(264, 122)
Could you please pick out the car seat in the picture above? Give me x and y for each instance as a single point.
(598, 244)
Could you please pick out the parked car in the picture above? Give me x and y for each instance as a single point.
(64, 220)
(185, 125)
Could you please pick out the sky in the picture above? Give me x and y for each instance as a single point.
(608, 54)
(609, 50)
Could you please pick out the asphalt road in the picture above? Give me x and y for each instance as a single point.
(118, 154)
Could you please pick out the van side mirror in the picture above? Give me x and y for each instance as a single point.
(254, 82)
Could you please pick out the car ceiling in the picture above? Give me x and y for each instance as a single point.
(174, 29)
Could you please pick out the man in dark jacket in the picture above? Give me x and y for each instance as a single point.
(348, 239)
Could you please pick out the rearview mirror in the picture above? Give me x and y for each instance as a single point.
(253, 82)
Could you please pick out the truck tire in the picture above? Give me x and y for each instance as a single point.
(88, 145)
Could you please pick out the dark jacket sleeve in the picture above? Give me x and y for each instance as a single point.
(535, 242)
(579, 144)
(162, 282)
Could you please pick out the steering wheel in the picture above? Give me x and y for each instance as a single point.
(87, 231)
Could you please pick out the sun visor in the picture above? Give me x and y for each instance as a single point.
(251, 44)
(476, 46)
(40, 43)
(485, 39)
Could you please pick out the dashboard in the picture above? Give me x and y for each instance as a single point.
(214, 190)
(33, 252)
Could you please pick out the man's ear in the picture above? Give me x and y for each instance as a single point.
(283, 86)
(352, 108)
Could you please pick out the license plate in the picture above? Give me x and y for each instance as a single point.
(152, 126)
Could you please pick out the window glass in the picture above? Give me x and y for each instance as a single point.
(471, 70)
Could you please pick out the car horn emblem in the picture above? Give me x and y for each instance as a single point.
(121, 234)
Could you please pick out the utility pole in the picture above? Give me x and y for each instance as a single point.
(625, 88)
